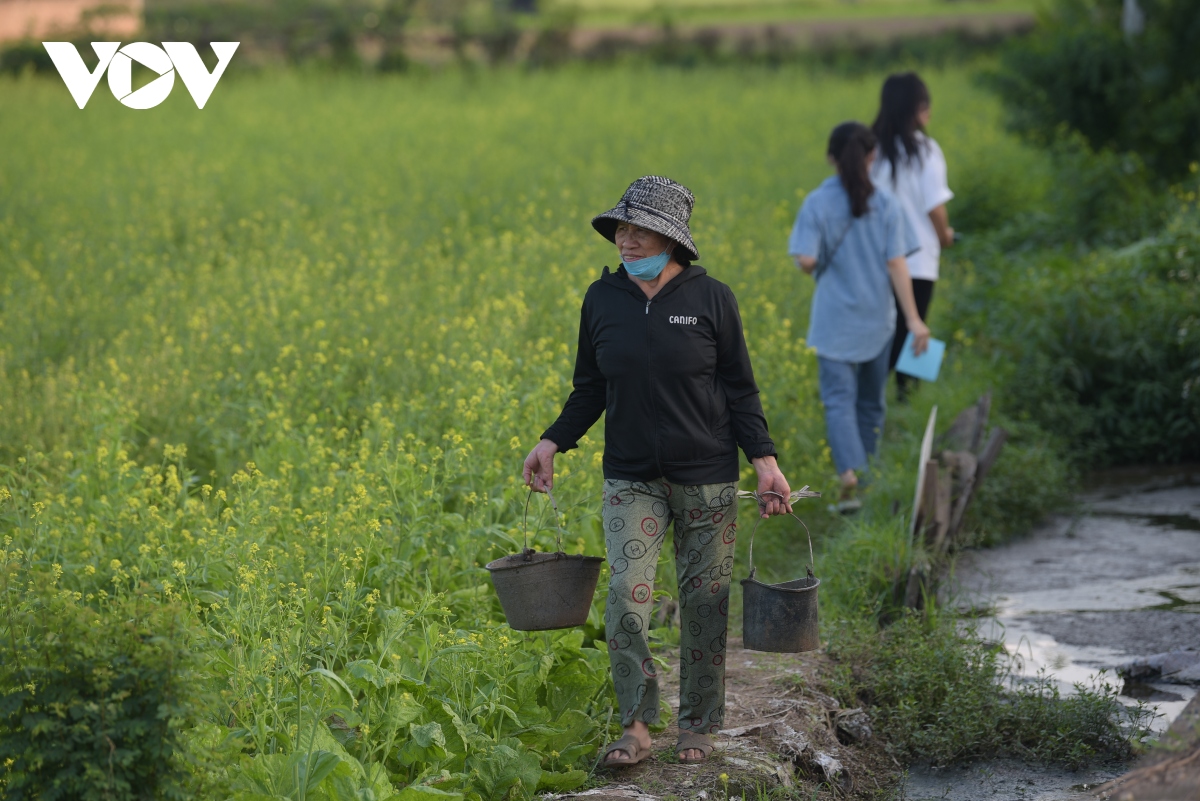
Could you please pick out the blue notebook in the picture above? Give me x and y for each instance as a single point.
(925, 366)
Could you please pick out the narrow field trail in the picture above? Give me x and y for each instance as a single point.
(781, 732)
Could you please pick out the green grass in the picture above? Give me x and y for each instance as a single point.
(939, 696)
(274, 365)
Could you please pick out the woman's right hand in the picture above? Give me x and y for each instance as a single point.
(920, 335)
(538, 471)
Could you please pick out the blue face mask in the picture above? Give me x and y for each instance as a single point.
(650, 267)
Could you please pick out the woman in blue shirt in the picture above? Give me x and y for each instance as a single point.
(853, 237)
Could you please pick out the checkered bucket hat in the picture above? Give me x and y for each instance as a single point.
(656, 203)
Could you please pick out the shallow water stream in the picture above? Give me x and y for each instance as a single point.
(1118, 579)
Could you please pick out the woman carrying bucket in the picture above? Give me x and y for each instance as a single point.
(662, 355)
(853, 237)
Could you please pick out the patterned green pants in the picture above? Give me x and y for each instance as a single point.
(636, 514)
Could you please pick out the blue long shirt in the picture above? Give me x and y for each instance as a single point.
(853, 308)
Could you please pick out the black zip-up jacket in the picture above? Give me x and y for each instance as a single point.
(674, 377)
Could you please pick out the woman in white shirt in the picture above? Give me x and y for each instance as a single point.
(912, 165)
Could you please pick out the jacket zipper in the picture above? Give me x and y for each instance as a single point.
(650, 383)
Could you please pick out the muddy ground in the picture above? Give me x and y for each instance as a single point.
(1004, 780)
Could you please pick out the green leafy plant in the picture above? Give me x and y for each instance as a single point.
(96, 699)
(1100, 350)
(940, 694)
(1125, 92)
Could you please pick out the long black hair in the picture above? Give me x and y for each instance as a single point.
(902, 97)
(849, 145)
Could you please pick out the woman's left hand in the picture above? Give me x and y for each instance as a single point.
(771, 480)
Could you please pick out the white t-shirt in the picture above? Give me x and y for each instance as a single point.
(921, 187)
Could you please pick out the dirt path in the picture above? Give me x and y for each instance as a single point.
(809, 32)
(784, 735)
(435, 46)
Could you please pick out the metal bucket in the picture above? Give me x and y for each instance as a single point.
(540, 591)
(780, 617)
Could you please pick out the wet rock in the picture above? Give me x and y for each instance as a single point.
(1189, 675)
(853, 726)
(1176, 667)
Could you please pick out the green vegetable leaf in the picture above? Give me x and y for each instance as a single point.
(421, 792)
(428, 734)
(367, 672)
(561, 782)
(333, 678)
(402, 710)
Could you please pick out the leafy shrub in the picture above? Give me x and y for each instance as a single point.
(18, 57)
(1099, 197)
(940, 696)
(1031, 479)
(1100, 350)
(94, 700)
(1126, 93)
(301, 30)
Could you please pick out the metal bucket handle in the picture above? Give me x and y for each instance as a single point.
(525, 525)
(803, 493)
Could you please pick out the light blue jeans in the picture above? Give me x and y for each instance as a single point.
(854, 407)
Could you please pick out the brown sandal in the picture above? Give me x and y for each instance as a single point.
(693, 741)
(630, 745)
